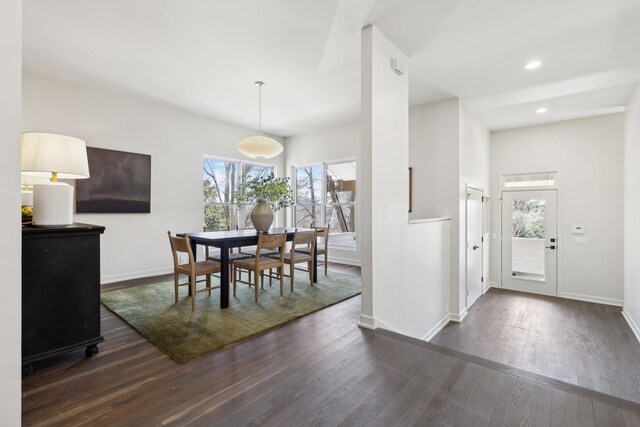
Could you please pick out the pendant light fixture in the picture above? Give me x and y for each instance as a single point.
(259, 146)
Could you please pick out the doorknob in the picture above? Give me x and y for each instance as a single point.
(551, 247)
(475, 247)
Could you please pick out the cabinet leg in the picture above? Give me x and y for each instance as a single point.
(27, 370)
(91, 350)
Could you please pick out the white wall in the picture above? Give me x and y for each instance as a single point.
(434, 133)
(474, 171)
(404, 266)
(631, 214)
(136, 245)
(335, 143)
(449, 149)
(10, 303)
(588, 154)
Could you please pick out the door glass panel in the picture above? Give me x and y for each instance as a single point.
(528, 239)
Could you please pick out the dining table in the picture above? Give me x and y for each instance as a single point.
(228, 239)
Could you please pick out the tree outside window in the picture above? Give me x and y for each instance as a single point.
(326, 194)
(220, 182)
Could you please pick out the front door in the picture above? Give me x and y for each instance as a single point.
(474, 245)
(529, 241)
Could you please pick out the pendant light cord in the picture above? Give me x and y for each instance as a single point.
(260, 84)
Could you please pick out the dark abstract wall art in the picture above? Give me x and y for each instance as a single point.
(120, 182)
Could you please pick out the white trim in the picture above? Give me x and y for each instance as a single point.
(380, 324)
(367, 322)
(634, 327)
(135, 275)
(423, 220)
(458, 317)
(437, 328)
(591, 298)
(340, 260)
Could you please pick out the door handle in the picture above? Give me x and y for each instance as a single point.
(551, 247)
(475, 247)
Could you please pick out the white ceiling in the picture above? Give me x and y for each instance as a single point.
(204, 55)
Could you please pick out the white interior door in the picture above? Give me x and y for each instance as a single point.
(529, 241)
(474, 245)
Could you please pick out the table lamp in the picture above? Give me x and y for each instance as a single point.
(54, 157)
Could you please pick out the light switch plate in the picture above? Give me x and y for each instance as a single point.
(577, 229)
(580, 240)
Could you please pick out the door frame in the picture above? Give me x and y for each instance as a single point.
(468, 187)
(560, 245)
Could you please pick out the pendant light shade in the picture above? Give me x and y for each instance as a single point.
(259, 146)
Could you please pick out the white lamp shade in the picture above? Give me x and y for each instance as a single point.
(44, 153)
(260, 147)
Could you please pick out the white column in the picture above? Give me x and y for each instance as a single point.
(384, 174)
(10, 119)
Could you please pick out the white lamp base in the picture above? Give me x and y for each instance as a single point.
(52, 204)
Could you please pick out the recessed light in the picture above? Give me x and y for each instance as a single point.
(541, 110)
(532, 65)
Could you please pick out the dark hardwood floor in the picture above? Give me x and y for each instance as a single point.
(317, 370)
(582, 343)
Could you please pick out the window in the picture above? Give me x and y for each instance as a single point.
(221, 178)
(529, 180)
(326, 194)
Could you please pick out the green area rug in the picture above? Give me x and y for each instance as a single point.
(184, 335)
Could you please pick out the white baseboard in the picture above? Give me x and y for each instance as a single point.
(634, 327)
(135, 275)
(458, 317)
(589, 298)
(340, 260)
(437, 328)
(367, 322)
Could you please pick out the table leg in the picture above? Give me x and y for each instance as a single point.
(224, 276)
(315, 265)
(194, 251)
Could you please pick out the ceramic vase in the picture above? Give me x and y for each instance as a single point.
(262, 216)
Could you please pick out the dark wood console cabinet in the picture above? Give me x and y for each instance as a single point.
(60, 291)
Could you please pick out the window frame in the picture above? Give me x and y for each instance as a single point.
(240, 165)
(324, 203)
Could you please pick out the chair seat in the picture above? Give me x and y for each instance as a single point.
(233, 257)
(265, 263)
(319, 250)
(297, 257)
(263, 252)
(201, 267)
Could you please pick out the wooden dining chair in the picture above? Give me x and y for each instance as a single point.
(191, 268)
(302, 240)
(259, 263)
(233, 256)
(322, 247)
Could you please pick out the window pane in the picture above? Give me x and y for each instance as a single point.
(220, 181)
(219, 217)
(244, 220)
(251, 171)
(528, 239)
(309, 185)
(341, 222)
(341, 182)
(306, 215)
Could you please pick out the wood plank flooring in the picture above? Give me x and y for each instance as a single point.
(318, 370)
(581, 343)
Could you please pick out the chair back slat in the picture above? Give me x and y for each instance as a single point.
(180, 244)
(304, 238)
(271, 241)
